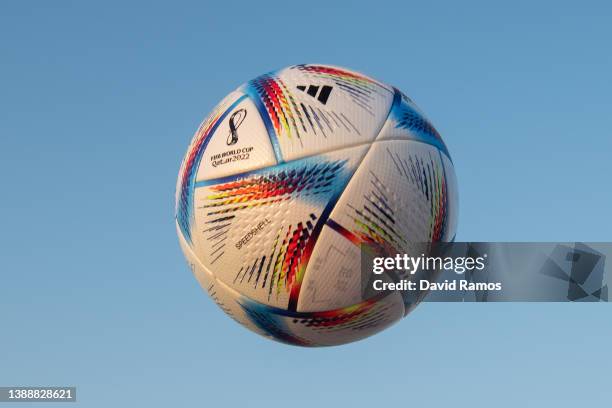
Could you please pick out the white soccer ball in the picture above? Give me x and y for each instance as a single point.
(284, 181)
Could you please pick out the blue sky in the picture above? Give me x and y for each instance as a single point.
(99, 101)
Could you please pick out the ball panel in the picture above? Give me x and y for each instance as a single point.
(311, 109)
(240, 143)
(333, 278)
(189, 167)
(256, 230)
(325, 328)
(397, 198)
(407, 121)
(398, 195)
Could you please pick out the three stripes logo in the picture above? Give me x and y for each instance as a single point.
(313, 90)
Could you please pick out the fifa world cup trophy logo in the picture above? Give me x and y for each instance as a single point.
(234, 123)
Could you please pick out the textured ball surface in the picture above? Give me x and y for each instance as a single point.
(285, 180)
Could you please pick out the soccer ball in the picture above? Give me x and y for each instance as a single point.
(285, 182)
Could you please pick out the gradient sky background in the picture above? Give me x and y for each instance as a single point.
(99, 101)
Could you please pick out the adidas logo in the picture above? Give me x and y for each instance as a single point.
(313, 90)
